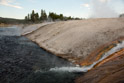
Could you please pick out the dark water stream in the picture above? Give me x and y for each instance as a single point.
(22, 61)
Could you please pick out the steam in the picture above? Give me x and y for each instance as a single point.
(101, 9)
(71, 69)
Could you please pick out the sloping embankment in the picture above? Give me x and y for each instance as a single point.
(111, 71)
(75, 40)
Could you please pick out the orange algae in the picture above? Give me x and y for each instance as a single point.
(111, 57)
(98, 53)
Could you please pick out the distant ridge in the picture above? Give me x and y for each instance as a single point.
(10, 20)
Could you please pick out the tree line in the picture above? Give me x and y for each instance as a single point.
(35, 17)
(122, 15)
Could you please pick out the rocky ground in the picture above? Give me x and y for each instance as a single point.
(75, 40)
(110, 70)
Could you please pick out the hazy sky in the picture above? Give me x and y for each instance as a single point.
(77, 8)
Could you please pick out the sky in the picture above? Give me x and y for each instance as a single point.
(75, 8)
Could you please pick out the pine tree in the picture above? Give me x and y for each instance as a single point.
(51, 16)
(26, 18)
(43, 16)
(37, 16)
(61, 17)
(33, 16)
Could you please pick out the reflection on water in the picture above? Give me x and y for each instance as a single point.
(10, 31)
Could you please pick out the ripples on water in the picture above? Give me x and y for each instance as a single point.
(22, 61)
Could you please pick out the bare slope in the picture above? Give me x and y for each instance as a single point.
(76, 39)
(111, 71)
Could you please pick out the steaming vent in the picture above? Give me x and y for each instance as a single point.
(101, 9)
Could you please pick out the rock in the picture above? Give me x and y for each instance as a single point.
(109, 70)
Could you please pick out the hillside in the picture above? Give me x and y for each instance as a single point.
(75, 40)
